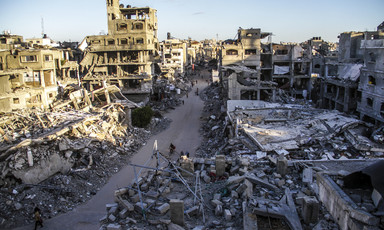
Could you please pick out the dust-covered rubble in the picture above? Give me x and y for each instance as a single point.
(58, 160)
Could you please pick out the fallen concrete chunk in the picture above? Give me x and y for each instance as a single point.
(216, 203)
(163, 208)
(235, 180)
(308, 175)
(123, 213)
(177, 211)
(192, 211)
(252, 178)
(113, 227)
(112, 218)
(227, 215)
(219, 210)
(311, 209)
(125, 204)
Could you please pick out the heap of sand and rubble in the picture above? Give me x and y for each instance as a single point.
(58, 158)
(256, 171)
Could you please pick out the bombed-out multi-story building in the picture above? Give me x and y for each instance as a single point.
(127, 56)
(292, 68)
(347, 88)
(255, 82)
(29, 77)
(370, 87)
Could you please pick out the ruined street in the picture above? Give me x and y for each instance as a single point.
(168, 116)
(183, 133)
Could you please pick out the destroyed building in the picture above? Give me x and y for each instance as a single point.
(292, 69)
(247, 53)
(29, 76)
(370, 88)
(173, 56)
(352, 87)
(127, 56)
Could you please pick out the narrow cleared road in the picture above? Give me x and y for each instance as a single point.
(183, 133)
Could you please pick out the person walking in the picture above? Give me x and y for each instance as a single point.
(38, 219)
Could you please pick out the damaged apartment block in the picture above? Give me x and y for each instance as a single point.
(245, 72)
(29, 77)
(126, 56)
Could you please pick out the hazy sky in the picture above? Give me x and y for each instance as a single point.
(288, 20)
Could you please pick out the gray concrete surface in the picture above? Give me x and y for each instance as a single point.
(183, 133)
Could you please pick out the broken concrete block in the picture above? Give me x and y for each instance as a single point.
(163, 208)
(152, 194)
(308, 175)
(220, 165)
(216, 203)
(378, 200)
(135, 198)
(192, 211)
(217, 196)
(177, 211)
(249, 190)
(131, 192)
(258, 181)
(243, 171)
(282, 166)
(112, 218)
(235, 180)
(126, 204)
(68, 154)
(139, 207)
(123, 213)
(241, 188)
(109, 206)
(103, 219)
(120, 192)
(234, 169)
(280, 182)
(113, 227)
(144, 187)
(227, 215)
(244, 161)
(311, 209)
(234, 194)
(113, 211)
(219, 210)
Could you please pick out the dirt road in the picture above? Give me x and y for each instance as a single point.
(183, 133)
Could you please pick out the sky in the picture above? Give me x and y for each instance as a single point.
(288, 20)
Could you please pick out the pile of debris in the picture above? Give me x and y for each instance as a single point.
(218, 193)
(58, 160)
(214, 122)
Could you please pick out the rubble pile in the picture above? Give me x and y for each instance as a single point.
(220, 193)
(214, 122)
(57, 160)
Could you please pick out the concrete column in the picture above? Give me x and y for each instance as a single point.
(118, 57)
(177, 211)
(220, 165)
(282, 165)
(42, 78)
(105, 58)
(310, 209)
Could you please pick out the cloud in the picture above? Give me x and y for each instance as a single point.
(197, 13)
